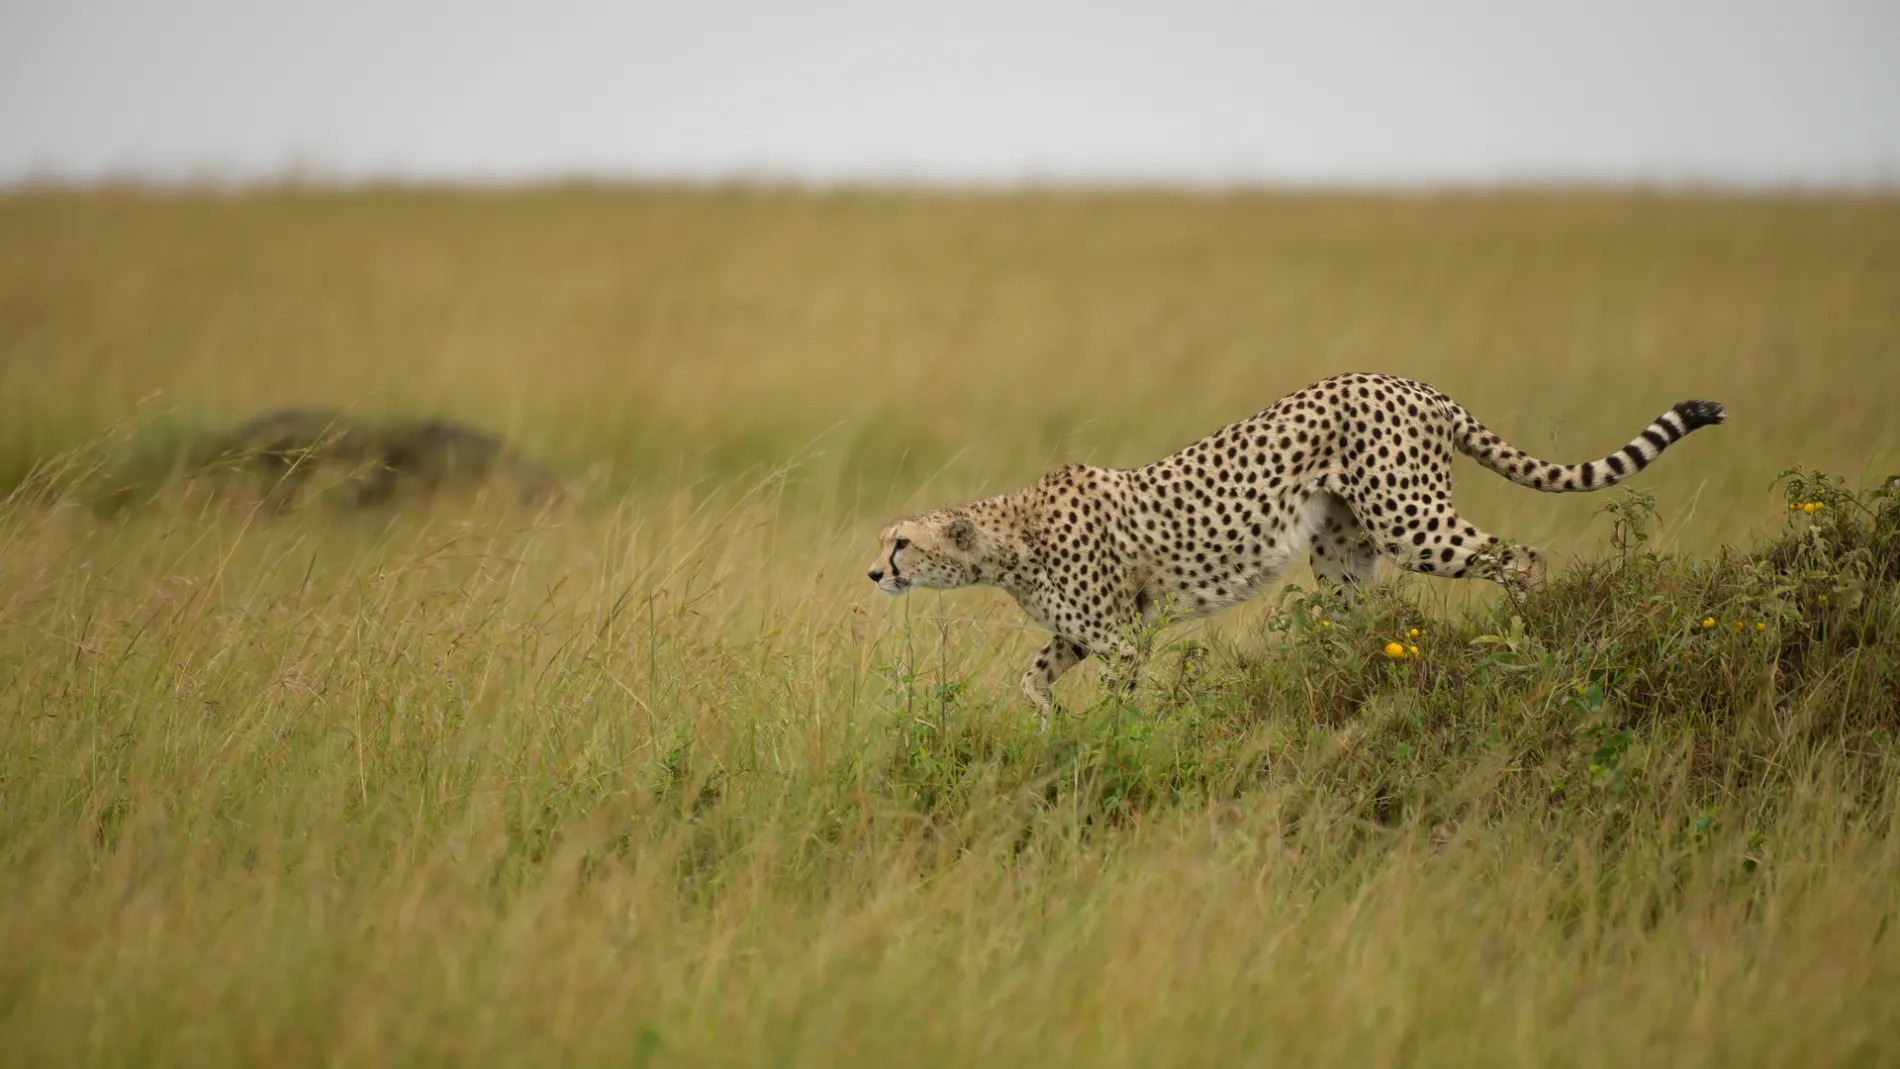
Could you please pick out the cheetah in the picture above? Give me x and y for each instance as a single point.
(1351, 469)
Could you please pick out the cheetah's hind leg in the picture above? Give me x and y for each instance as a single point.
(1447, 545)
(1342, 554)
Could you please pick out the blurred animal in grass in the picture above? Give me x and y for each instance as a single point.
(294, 457)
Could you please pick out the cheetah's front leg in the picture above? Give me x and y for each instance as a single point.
(1060, 655)
(1116, 646)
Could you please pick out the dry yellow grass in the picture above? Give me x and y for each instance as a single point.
(664, 781)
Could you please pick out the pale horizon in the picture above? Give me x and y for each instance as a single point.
(1377, 93)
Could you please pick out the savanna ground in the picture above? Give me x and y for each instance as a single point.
(660, 779)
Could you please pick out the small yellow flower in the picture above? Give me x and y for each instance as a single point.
(1414, 650)
(1759, 626)
(1325, 623)
(1413, 633)
(1736, 626)
(1823, 597)
(1395, 651)
(1708, 622)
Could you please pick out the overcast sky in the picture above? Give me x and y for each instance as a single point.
(1362, 91)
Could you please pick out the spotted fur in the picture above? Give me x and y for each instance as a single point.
(1350, 469)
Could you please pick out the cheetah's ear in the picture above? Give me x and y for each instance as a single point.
(962, 532)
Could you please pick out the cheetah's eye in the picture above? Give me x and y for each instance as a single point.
(900, 543)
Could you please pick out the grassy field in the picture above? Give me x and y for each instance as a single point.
(660, 779)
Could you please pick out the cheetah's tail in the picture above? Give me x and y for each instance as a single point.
(1473, 440)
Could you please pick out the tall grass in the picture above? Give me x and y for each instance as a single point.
(660, 779)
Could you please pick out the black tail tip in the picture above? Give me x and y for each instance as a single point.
(1699, 414)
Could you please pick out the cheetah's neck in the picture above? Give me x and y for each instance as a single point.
(1009, 543)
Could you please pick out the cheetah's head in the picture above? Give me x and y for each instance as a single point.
(938, 550)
